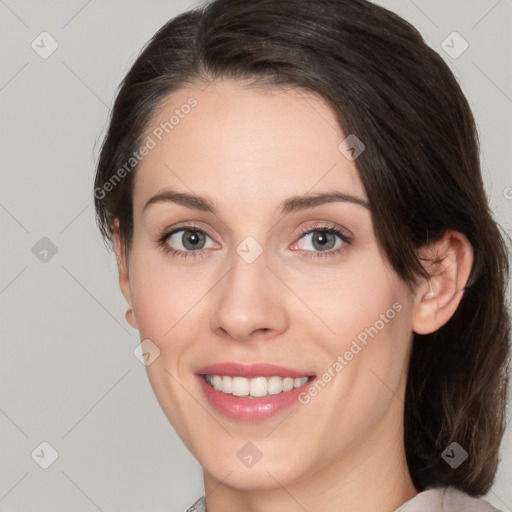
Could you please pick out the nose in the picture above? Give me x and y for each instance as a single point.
(249, 302)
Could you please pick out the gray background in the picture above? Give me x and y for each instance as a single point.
(68, 375)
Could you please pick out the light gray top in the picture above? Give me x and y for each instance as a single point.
(439, 499)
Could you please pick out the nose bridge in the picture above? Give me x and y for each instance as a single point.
(247, 299)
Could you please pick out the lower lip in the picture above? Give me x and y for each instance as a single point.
(242, 408)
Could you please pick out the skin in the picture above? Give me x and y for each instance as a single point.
(248, 149)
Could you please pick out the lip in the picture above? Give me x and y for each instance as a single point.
(250, 371)
(252, 409)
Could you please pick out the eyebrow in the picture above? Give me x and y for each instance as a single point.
(292, 204)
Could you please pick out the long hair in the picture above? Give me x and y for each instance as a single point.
(420, 171)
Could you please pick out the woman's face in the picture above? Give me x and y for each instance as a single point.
(247, 286)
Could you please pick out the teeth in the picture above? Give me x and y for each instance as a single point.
(257, 387)
(227, 384)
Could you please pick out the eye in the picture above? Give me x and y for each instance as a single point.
(192, 241)
(329, 240)
(185, 241)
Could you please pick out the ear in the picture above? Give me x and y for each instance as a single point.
(122, 266)
(448, 262)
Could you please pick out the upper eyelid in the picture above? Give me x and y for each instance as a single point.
(325, 225)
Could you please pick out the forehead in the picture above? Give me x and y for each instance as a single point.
(227, 140)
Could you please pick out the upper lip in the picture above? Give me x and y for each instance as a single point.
(251, 370)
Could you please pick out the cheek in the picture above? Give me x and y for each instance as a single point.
(364, 361)
(364, 329)
(163, 297)
(351, 300)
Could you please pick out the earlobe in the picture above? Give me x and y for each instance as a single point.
(448, 262)
(130, 317)
(122, 266)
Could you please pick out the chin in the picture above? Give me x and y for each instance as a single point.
(264, 479)
(263, 475)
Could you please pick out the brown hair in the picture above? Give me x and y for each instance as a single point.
(420, 171)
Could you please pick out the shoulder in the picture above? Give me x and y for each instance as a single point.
(446, 499)
(198, 506)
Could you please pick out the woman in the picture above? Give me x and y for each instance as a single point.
(294, 197)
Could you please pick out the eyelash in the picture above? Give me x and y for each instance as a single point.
(161, 242)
